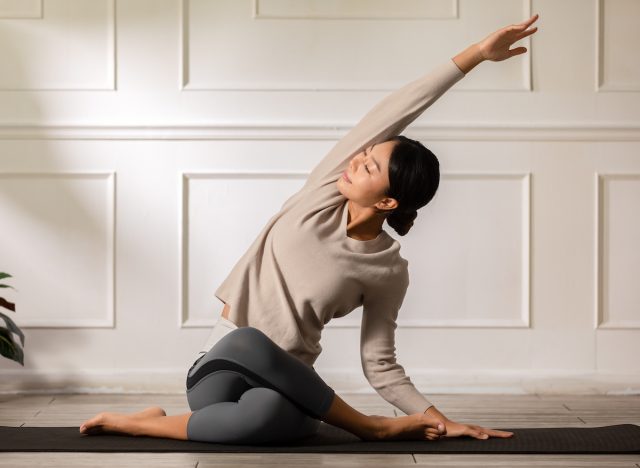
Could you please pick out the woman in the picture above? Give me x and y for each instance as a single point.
(317, 259)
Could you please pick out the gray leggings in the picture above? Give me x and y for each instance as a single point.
(248, 390)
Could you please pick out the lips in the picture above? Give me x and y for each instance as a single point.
(346, 177)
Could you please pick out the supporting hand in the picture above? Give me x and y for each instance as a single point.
(455, 429)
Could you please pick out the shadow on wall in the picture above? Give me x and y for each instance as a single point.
(48, 223)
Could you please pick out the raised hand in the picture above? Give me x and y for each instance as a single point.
(495, 46)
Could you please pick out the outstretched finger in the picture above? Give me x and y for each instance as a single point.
(526, 33)
(528, 22)
(517, 51)
(497, 433)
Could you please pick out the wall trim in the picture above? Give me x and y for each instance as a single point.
(445, 131)
(171, 381)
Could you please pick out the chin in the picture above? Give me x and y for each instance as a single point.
(340, 184)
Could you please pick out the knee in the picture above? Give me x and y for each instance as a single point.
(261, 415)
(250, 333)
(251, 340)
(270, 410)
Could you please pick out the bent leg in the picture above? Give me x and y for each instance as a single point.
(253, 354)
(218, 386)
(261, 415)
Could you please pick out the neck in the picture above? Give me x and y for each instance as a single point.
(363, 223)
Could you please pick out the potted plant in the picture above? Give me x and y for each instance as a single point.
(8, 346)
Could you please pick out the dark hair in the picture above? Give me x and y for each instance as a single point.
(414, 176)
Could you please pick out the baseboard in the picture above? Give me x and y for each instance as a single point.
(171, 381)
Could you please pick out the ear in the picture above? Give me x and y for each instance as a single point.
(387, 203)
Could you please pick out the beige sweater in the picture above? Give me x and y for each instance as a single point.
(303, 269)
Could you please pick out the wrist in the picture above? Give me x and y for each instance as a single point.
(478, 52)
(469, 58)
(433, 411)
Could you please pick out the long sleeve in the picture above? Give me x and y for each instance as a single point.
(377, 349)
(387, 119)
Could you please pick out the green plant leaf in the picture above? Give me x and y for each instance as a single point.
(3, 276)
(7, 305)
(12, 327)
(9, 348)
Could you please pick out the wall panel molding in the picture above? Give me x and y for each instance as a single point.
(359, 9)
(20, 9)
(602, 84)
(107, 320)
(184, 319)
(185, 85)
(602, 273)
(108, 82)
(522, 317)
(522, 320)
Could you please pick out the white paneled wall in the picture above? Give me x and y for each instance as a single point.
(145, 143)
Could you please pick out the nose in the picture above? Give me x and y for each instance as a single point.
(352, 164)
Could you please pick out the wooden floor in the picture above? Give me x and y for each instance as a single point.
(494, 411)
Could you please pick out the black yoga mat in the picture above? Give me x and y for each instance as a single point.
(621, 438)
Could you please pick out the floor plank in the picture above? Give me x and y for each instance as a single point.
(525, 460)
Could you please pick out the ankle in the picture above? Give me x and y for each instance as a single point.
(377, 428)
(141, 426)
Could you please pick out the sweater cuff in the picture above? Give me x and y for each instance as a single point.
(411, 401)
(456, 70)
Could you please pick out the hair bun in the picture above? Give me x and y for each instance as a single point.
(408, 213)
(402, 220)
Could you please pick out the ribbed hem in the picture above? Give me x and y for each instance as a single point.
(226, 323)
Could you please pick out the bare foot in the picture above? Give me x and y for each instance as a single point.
(105, 422)
(412, 427)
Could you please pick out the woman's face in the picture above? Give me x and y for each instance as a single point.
(368, 173)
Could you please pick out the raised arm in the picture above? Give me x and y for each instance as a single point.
(397, 110)
(386, 119)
